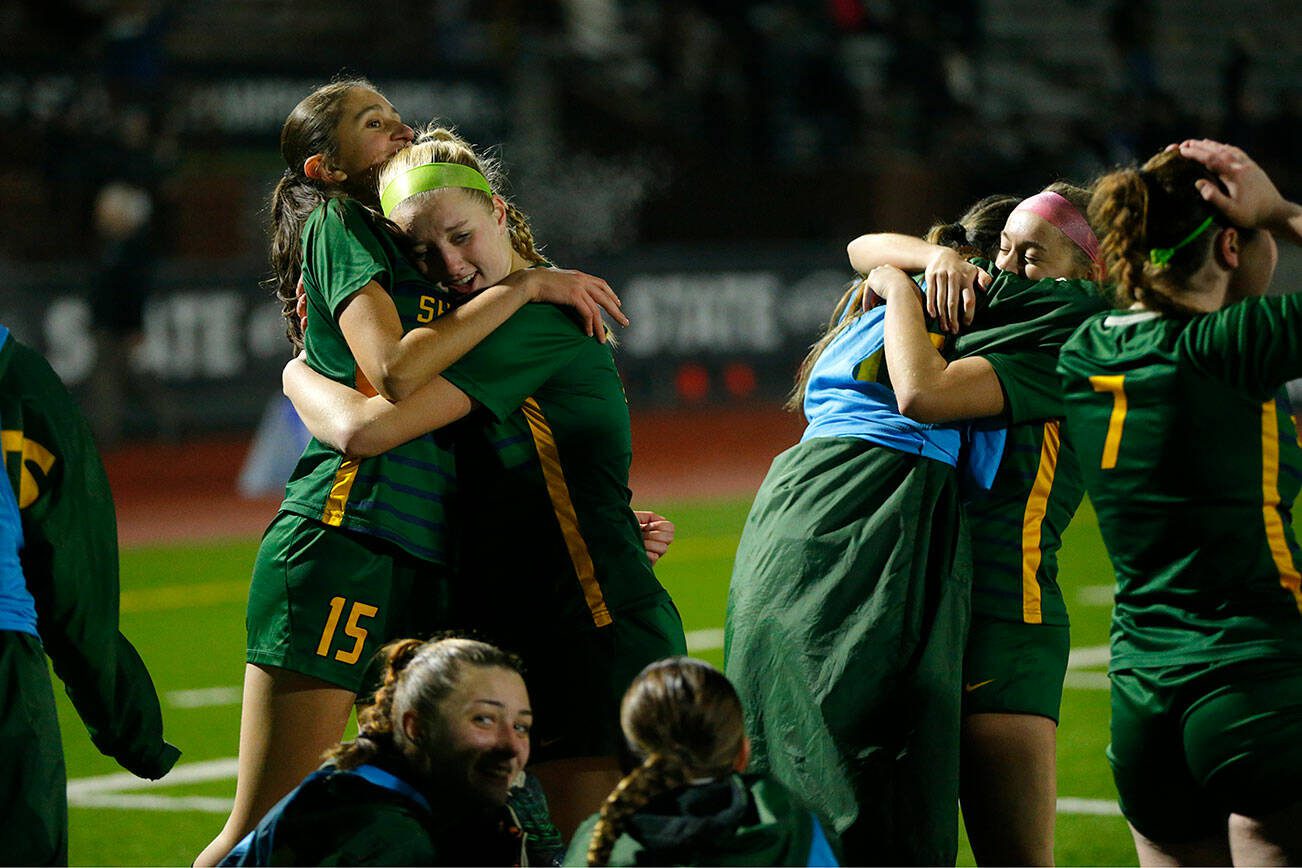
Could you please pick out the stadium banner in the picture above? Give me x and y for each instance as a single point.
(709, 325)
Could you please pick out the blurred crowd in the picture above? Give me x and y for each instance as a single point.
(692, 120)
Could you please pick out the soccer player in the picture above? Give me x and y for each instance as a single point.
(64, 598)
(426, 781)
(1015, 660)
(1193, 464)
(690, 802)
(551, 561)
(848, 609)
(356, 553)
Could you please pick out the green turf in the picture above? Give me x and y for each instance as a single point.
(183, 608)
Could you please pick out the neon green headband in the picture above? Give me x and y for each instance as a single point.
(1160, 256)
(430, 176)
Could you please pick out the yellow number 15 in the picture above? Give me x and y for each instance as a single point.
(1112, 445)
(352, 629)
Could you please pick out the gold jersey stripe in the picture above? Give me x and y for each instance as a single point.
(1036, 507)
(13, 441)
(337, 503)
(1297, 427)
(559, 493)
(1288, 571)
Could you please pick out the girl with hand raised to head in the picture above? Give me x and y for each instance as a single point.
(356, 555)
(1192, 460)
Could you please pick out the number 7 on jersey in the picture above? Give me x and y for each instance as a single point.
(1112, 444)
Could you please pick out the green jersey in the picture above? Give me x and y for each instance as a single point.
(399, 496)
(70, 560)
(1017, 525)
(1193, 463)
(553, 456)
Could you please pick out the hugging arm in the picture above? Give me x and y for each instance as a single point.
(398, 364)
(952, 281)
(359, 426)
(927, 387)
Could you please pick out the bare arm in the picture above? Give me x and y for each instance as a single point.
(951, 280)
(360, 426)
(398, 364)
(927, 387)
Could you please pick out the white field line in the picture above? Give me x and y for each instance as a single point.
(205, 697)
(705, 640)
(1095, 595)
(1089, 657)
(107, 791)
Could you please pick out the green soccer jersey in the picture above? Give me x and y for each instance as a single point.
(399, 496)
(1017, 525)
(553, 460)
(1192, 463)
(70, 560)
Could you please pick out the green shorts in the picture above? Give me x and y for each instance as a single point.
(1010, 667)
(324, 600)
(34, 801)
(847, 620)
(1192, 744)
(577, 673)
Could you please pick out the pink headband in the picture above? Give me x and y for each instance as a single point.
(1066, 217)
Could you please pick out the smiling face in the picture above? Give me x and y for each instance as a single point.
(459, 240)
(481, 740)
(370, 131)
(1034, 248)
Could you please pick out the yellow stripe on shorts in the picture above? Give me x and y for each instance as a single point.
(1289, 576)
(1036, 507)
(559, 493)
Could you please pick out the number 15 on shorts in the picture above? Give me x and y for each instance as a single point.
(351, 628)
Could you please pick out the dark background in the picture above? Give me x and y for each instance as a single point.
(710, 159)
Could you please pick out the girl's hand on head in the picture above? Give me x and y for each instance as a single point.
(657, 533)
(1253, 200)
(585, 293)
(952, 282)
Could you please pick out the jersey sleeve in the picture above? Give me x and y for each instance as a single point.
(1030, 382)
(71, 564)
(342, 254)
(518, 357)
(1254, 345)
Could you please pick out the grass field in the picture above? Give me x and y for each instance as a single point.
(183, 607)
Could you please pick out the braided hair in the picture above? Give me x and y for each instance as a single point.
(418, 676)
(684, 718)
(1157, 205)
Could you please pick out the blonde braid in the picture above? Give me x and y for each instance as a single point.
(375, 721)
(522, 240)
(658, 774)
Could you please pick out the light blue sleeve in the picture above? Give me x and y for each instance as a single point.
(820, 851)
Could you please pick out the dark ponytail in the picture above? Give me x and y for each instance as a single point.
(311, 128)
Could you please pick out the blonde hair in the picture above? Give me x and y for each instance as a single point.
(683, 717)
(439, 144)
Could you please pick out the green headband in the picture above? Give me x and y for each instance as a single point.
(1160, 256)
(430, 176)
